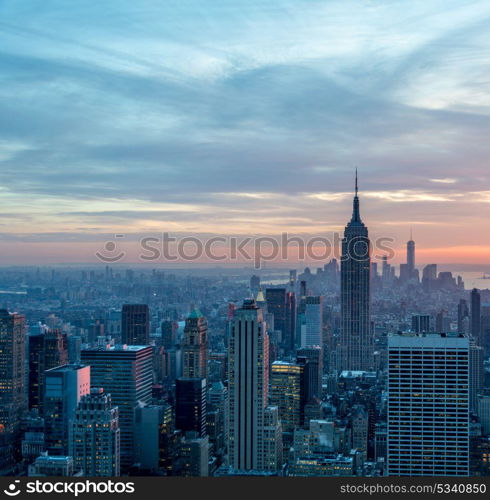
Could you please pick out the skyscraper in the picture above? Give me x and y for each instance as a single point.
(421, 323)
(195, 346)
(135, 324)
(95, 439)
(477, 373)
(48, 348)
(286, 393)
(476, 316)
(272, 440)
(356, 341)
(282, 304)
(429, 277)
(428, 405)
(12, 396)
(248, 364)
(411, 258)
(190, 405)
(64, 387)
(312, 327)
(169, 333)
(124, 372)
(463, 317)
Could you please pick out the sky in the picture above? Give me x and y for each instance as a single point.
(243, 118)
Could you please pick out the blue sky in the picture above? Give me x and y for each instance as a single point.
(243, 117)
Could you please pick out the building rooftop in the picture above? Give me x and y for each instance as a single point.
(118, 348)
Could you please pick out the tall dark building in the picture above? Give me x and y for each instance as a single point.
(282, 304)
(421, 323)
(463, 316)
(356, 341)
(411, 271)
(47, 349)
(195, 346)
(311, 362)
(476, 316)
(190, 405)
(135, 324)
(12, 396)
(276, 304)
(313, 356)
(254, 284)
(169, 333)
(124, 372)
(36, 369)
(429, 277)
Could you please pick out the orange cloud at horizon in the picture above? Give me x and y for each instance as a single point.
(48, 253)
(461, 254)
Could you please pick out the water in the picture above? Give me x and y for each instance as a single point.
(473, 279)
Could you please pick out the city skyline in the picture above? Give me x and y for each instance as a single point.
(255, 120)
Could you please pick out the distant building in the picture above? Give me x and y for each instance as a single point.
(254, 284)
(477, 373)
(169, 333)
(476, 316)
(463, 317)
(429, 277)
(421, 323)
(312, 329)
(135, 324)
(282, 304)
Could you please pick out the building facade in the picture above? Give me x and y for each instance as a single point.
(95, 439)
(428, 405)
(356, 340)
(248, 365)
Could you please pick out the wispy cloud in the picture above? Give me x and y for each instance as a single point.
(191, 114)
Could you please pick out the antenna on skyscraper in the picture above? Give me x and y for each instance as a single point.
(356, 181)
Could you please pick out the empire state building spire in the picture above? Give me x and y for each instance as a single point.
(356, 216)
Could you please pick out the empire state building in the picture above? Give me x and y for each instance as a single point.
(356, 339)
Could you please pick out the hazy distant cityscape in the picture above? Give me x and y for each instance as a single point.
(355, 368)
